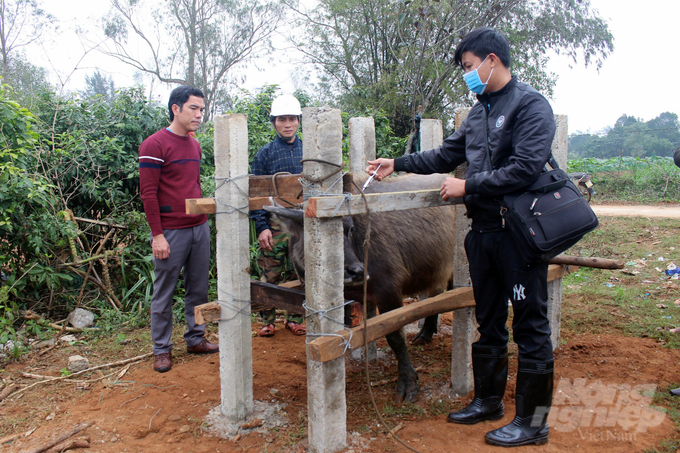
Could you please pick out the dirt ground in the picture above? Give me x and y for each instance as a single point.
(146, 411)
(655, 211)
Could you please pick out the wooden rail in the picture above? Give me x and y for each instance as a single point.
(262, 295)
(261, 190)
(328, 348)
(325, 207)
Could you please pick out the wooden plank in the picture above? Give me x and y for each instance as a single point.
(598, 263)
(329, 348)
(263, 295)
(291, 284)
(261, 190)
(206, 313)
(208, 205)
(287, 186)
(326, 207)
(200, 205)
(556, 271)
(273, 296)
(257, 202)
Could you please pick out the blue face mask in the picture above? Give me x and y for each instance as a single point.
(473, 81)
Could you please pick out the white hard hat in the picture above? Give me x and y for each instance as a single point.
(286, 105)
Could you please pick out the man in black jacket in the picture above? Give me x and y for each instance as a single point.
(506, 142)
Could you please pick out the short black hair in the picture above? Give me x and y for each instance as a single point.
(481, 42)
(180, 96)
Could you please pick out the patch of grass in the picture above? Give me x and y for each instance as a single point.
(438, 407)
(439, 374)
(298, 430)
(666, 446)
(636, 301)
(405, 410)
(671, 406)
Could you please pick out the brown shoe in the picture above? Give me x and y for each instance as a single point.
(204, 347)
(162, 362)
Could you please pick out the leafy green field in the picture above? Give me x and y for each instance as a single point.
(632, 179)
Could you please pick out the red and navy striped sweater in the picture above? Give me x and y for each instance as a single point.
(169, 173)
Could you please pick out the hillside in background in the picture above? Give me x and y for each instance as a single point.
(630, 137)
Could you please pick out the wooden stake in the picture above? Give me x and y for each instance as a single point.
(63, 437)
(395, 430)
(598, 263)
(82, 442)
(8, 391)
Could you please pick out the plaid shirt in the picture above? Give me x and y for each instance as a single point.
(275, 157)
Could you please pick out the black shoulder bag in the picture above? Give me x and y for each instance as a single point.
(549, 216)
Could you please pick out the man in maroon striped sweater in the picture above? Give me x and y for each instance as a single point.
(169, 173)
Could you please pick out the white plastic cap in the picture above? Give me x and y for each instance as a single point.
(286, 105)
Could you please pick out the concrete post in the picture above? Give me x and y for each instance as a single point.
(464, 333)
(464, 324)
(361, 143)
(431, 134)
(233, 284)
(560, 150)
(326, 405)
(560, 145)
(361, 150)
(555, 310)
(461, 270)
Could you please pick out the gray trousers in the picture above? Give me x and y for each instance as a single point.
(189, 249)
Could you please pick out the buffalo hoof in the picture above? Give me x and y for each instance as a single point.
(422, 338)
(407, 390)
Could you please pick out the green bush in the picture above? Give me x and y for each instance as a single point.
(77, 158)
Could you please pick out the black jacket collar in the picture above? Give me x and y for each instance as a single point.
(488, 98)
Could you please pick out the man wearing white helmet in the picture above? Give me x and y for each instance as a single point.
(281, 155)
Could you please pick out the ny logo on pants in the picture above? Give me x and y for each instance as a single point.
(518, 292)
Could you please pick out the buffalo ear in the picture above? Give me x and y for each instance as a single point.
(291, 219)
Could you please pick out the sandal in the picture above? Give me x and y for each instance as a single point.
(268, 330)
(297, 329)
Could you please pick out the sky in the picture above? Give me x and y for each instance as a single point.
(633, 80)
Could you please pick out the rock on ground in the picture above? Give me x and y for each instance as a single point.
(81, 318)
(77, 363)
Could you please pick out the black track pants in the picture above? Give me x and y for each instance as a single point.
(498, 274)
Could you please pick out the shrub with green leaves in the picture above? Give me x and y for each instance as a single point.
(77, 158)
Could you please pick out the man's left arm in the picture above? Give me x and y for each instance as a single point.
(532, 138)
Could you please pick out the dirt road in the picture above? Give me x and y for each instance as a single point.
(655, 211)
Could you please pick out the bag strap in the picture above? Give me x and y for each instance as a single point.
(552, 163)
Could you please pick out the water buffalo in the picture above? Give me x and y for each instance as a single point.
(411, 252)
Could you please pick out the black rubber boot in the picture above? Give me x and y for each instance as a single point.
(534, 398)
(490, 368)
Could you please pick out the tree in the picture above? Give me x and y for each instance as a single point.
(22, 22)
(398, 55)
(193, 42)
(27, 81)
(632, 137)
(99, 85)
